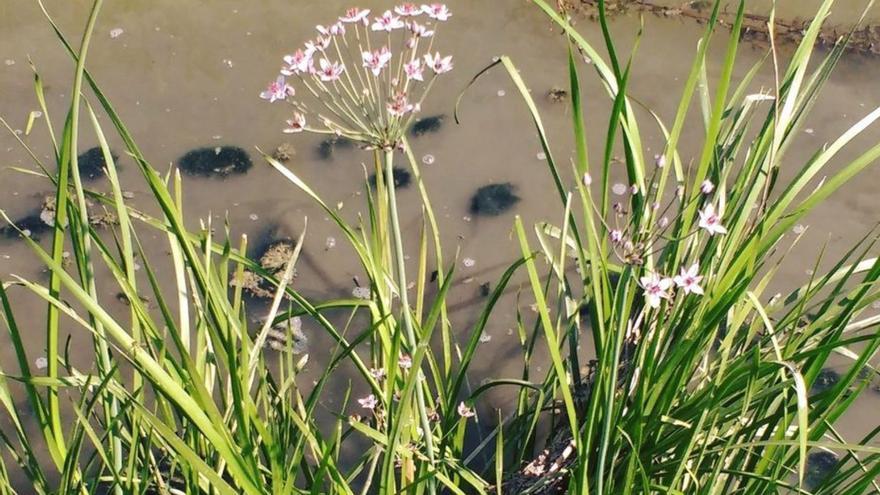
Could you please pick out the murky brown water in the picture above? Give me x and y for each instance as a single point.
(188, 77)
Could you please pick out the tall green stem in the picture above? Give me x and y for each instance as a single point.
(404, 299)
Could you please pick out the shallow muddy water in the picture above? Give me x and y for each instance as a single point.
(184, 78)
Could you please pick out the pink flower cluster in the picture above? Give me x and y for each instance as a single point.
(365, 89)
(657, 287)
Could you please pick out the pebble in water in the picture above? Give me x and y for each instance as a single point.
(91, 163)
(425, 125)
(220, 161)
(402, 177)
(819, 466)
(825, 380)
(493, 199)
(327, 147)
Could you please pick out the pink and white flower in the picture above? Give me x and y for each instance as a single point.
(414, 70)
(656, 288)
(437, 11)
(296, 124)
(399, 106)
(408, 9)
(369, 402)
(711, 221)
(707, 187)
(330, 71)
(355, 14)
(297, 63)
(388, 22)
(616, 236)
(376, 60)
(335, 29)
(438, 63)
(419, 30)
(404, 361)
(377, 373)
(465, 411)
(277, 90)
(689, 280)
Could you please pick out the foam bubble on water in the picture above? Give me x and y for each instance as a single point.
(619, 189)
(41, 363)
(541, 155)
(799, 229)
(428, 159)
(116, 32)
(469, 262)
(330, 243)
(485, 338)
(501, 92)
(361, 292)
(254, 217)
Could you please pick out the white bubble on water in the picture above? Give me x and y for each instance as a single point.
(799, 229)
(541, 155)
(254, 217)
(116, 32)
(469, 262)
(9, 62)
(428, 159)
(485, 338)
(619, 189)
(501, 92)
(41, 363)
(330, 243)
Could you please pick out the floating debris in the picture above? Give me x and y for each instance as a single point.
(426, 125)
(825, 380)
(273, 259)
(284, 152)
(220, 161)
(288, 335)
(361, 293)
(493, 199)
(402, 178)
(91, 163)
(329, 145)
(557, 95)
(820, 465)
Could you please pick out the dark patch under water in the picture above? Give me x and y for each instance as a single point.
(820, 465)
(425, 125)
(91, 163)
(825, 380)
(328, 146)
(220, 161)
(493, 199)
(31, 225)
(402, 178)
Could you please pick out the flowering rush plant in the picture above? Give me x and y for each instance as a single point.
(363, 76)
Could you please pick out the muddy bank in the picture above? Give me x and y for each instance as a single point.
(864, 40)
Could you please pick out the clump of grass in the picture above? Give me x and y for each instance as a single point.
(700, 377)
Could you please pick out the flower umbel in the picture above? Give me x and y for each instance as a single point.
(362, 81)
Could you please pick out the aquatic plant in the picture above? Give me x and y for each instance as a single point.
(700, 379)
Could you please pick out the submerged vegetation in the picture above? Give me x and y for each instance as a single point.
(700, 380)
